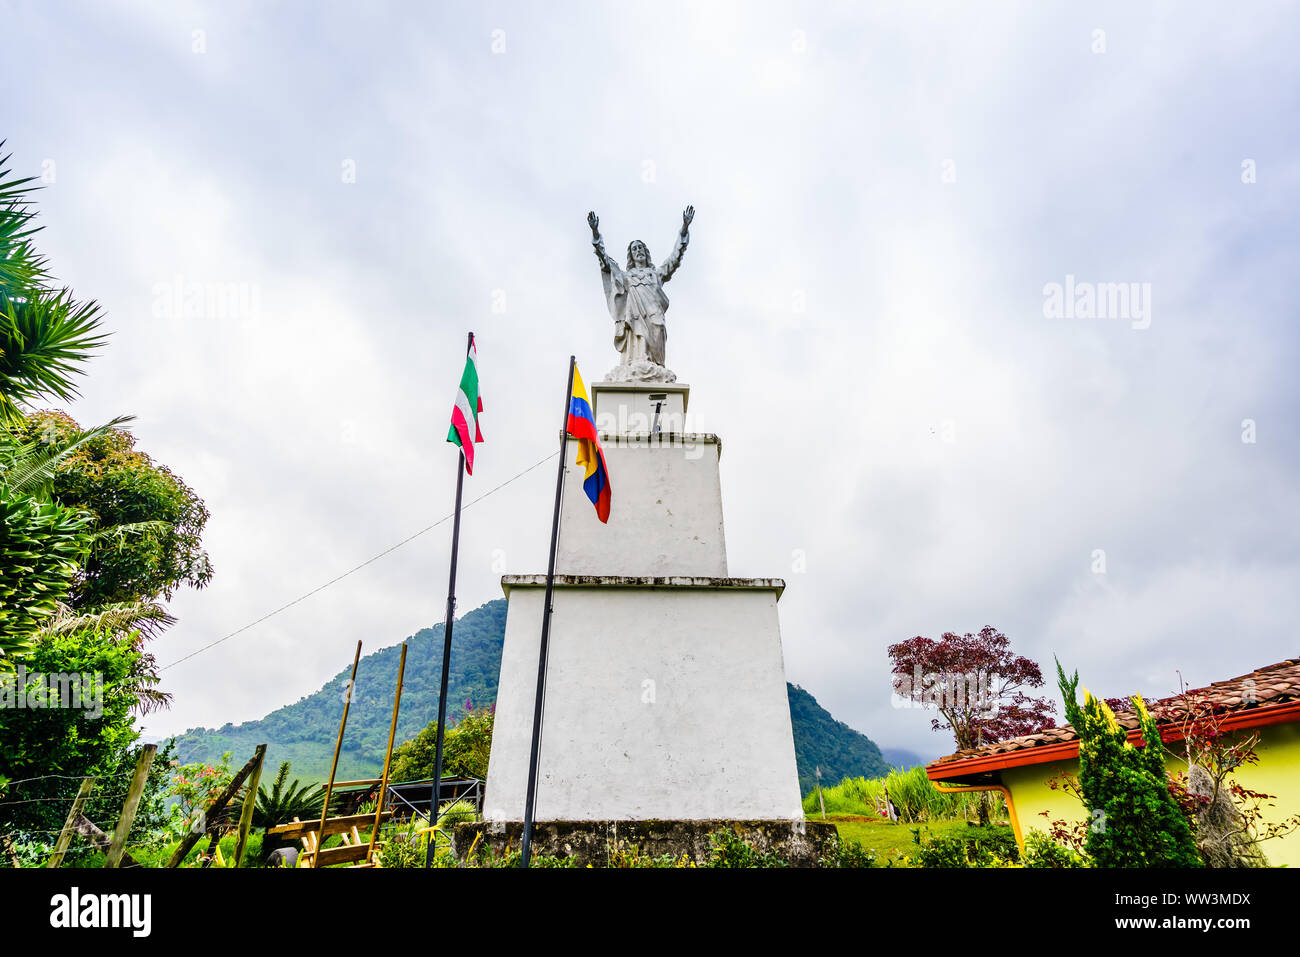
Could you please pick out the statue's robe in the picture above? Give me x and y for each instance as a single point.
(637, 301)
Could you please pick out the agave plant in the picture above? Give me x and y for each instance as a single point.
(282, 804)
(41, 547)
(285, 801)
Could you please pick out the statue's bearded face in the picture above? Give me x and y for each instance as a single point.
(637, 254)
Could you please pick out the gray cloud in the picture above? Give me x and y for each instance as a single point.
(814, 140)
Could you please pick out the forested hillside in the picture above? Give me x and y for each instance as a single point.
(303, 733)
(821, 741)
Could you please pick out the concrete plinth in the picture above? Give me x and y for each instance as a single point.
(799, 844)
(665, 700)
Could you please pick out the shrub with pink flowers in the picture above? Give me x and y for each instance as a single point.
(196, 785)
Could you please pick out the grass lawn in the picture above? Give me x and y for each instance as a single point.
(890, 840)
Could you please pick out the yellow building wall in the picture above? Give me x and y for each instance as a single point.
(1277, 773)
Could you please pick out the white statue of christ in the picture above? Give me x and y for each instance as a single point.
(637, 303)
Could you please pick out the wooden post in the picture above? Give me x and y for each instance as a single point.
(820, 800)
(388, 758)
(138, 781)
(246, 816)
(7, 843)
(214, 837)
(99, 840)
(338, 745)
(70, 826)
(217, 806)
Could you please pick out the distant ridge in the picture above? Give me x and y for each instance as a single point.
(902, 759)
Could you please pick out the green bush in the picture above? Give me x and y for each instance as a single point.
(850, 854)
(729, 849)
(984, 847)
(402, 853)
(1042, 852)
(624, 857)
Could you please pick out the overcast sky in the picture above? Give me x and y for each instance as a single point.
(913, 438)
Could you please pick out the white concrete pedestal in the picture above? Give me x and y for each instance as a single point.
(666, 695)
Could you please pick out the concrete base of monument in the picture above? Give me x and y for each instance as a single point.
(798, 843)
(665, 701)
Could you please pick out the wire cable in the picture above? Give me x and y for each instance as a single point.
(357, 568)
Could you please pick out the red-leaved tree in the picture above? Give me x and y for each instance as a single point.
(975, 683)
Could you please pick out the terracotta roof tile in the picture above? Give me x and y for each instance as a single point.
(1270, 685)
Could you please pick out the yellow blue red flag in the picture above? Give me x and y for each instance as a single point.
(582, 426)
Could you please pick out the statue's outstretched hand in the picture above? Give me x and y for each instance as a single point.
(594, 222)
(687, 215)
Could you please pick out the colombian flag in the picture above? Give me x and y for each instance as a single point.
(582, 426)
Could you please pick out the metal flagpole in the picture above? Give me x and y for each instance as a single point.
(525, 848)
(446, 656)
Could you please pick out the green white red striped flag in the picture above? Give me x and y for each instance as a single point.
(464, 414)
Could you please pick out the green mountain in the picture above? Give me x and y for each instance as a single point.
(303, 733)
(822, 742)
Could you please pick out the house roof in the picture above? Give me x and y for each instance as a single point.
(1269, 695)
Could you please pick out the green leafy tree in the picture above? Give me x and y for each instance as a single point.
(1135, 820)
(465, 749)
(95, 738)
(124, 489)
(44, 543)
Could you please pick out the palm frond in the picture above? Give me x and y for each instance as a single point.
(28, 466)
(45, 338)
(20, 266)
(148, 618)
(119, 532)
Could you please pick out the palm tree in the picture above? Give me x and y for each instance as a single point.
(45, 334)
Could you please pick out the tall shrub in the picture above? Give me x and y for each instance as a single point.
(1135, 820)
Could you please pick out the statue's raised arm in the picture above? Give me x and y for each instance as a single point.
(669, 265)
(606, 263)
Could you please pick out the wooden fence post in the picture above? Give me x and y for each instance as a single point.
(338, 746)
(138, 781)
(246, 816)
(388, 759)
(70, 826)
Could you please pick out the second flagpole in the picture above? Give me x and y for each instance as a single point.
(530, 799)
(439, 733)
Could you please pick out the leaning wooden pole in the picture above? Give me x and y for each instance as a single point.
(138, 781)
(338, 746)
(70, 826)
(250, 804)
(388, 757)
